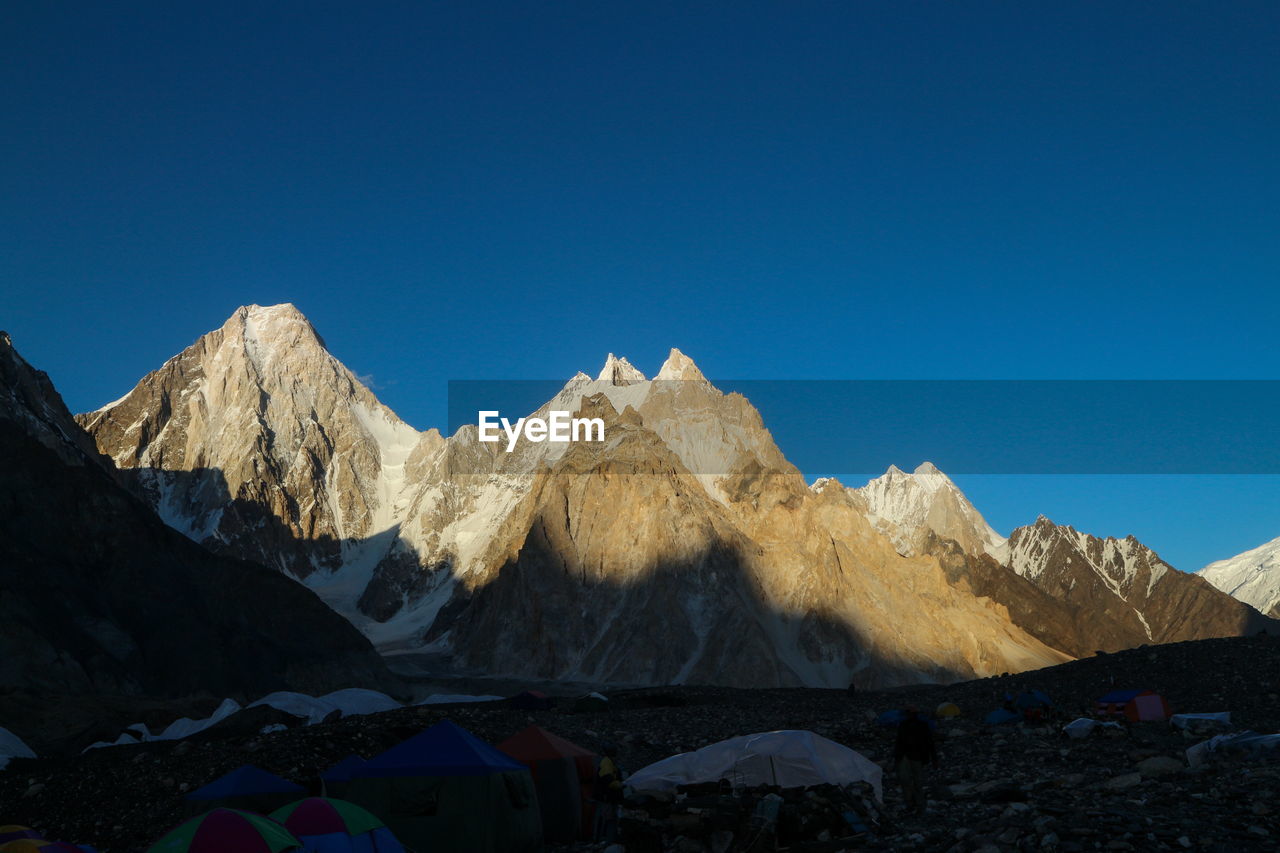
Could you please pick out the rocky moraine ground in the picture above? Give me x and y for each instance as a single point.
(1022, 787)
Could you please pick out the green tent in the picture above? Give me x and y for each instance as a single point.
(445, 789)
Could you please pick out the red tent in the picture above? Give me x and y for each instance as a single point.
(563, 774)
(1134, 705)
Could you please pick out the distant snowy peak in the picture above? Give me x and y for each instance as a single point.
(679, 366)
(1252, 577)
(1118, 562)
(906, 507)
(258, 418)
(1125, 584)
(619, 371)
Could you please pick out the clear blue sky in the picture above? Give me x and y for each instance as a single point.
(799, 190)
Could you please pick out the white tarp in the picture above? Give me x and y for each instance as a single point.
(1084, 726)
(186, 727)
(177, 730)
(1186, 721)
(789, 759)
(1240, 743)
(11, 746)
(313, 709)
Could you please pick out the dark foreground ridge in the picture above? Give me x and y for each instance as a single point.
(1013, 787)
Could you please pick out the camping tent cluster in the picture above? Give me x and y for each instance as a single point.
(1029, 705)
(1133, 705)
(442, 789)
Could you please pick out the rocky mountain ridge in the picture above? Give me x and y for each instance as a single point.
(99, 596)
(633, 560)
(257, 442)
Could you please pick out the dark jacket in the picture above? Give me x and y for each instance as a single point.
(915, 741)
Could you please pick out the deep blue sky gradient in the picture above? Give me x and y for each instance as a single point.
(800, 190)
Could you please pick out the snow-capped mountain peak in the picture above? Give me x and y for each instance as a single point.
(1252, 577)
(906, 507)
(250, 413)
(679, 366)
(619, 371)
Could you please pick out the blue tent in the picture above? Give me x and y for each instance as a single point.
(245, 781)
(445, 789)
(892, 719)
(247, 788)
(343, 770)
(1119, 697)
(337, 777)
(1031, 699)
(1000, 716)
(442, 750)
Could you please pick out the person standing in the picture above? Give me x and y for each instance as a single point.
(608, 795)
(912, 752)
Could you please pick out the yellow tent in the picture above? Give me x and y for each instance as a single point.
(947, 709)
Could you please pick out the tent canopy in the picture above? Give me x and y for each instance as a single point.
(537, 744)
(222, 830)
(789, 759)
(245, 781)
(343, 770)
(1000, 716)
(563, 774)
(1029, 699)
(894, 718)
(445, 789)
(324, 815)
(444, 749)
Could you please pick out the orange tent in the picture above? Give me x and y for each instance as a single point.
(563, 774)
(1133, 705)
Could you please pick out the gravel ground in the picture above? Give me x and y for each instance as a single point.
(1008, 788)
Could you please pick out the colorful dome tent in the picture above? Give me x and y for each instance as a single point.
(1133, 705)
(25, 845)
(947, 710)
(563, 776)
(445, 789)
(12, 832)
(247, 788)
(225, 830)
(327, 825)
